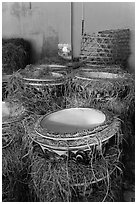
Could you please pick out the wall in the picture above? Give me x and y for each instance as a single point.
(102, 16)
(44, 24)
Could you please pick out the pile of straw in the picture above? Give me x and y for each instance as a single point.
(15, 54)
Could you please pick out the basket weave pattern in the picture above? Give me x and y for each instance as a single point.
(106, 47)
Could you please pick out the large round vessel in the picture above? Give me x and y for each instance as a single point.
(73, 129)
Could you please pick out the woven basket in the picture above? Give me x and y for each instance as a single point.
(106, 47)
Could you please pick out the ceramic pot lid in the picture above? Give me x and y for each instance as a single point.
(96, 75)
(51, 77)
(72, 120)
(74, 128)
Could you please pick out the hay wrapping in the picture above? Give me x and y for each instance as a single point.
(13, 153)
(15, 54)
(116, 94)
(62, 180)
(37, 99)
(15, 163)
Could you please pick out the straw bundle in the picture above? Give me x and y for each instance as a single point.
(15, 54)
(106, 47)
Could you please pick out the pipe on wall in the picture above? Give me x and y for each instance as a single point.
(82, 26)
(77, 26)
(71, 21)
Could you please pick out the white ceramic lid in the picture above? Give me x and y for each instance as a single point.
(56, 66)
(11, 110)
(104, 75)
(5, 110)
(50, 77)
(73, 120)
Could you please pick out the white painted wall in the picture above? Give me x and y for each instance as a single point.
(44, 24)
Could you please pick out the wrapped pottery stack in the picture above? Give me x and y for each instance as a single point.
(74, 150)
(39, 88)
